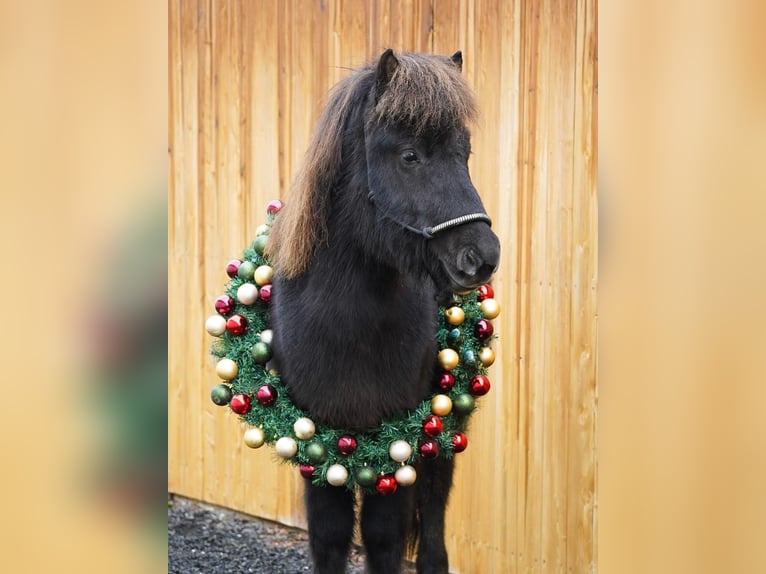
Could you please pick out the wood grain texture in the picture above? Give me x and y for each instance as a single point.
(247, 80)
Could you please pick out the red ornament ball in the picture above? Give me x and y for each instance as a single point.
(429, 449)
(266, 395)
(224, 304)
(485, 292)
(446, 381)
(479, 385)
(232, 267)
(347, 444)
(237, 325)
(432, 425)
(274, 206)
(459, 442)
(240, 404)
(484, 329)
(385, 484)
(265, 293)
(307, 471)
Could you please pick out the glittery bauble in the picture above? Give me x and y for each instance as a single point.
(406, 475)
(454, 315)
(463, 404)
(485, 292)
(266, 395)
(484, 329)
(261, 352)
(347, 444)
(316, 452)
(400, 450)
(486, 356)
(307, 471)
(247, 294)
(262, 229)
(232, 267)
(459, 442)
(385, 484)
(304, 428)
(429, 449)
(455, 338)
(226, 369)
(337, 475)
(255, 437)
(221, 394)
(259, 245)
(441, 405)
(479, 385)
(286, 447)
(236, 325)
(469, 357)
(265, 293)
(365, 476)
(240, 404)
(266, 336)
(490, 308)
(224, 304)
(215, 325)
(263, 275)
(432, 425)
(246, 270)
(448, 359)
(446, 381)
(274, 206)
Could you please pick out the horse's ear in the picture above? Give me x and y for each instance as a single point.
(386, 67)
(457, 59)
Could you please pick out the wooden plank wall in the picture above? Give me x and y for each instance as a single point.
(247, 79)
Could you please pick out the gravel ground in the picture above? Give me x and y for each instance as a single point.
(206, 539)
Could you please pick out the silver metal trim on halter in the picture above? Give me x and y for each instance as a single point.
(429, 231)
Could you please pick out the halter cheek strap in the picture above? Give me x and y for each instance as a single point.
(429, 231)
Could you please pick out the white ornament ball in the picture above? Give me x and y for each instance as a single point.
(400, 450)
(286, 447)
(337, 475)
(226, 369)
(263, 275)
(304, 428)
(215, 325)
(267, 335)
(262, 229)
(254, 437)
(406, 475)
(247, 294)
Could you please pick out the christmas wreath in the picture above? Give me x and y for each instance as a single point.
(381, 458)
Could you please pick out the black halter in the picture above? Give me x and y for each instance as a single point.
(429, 231)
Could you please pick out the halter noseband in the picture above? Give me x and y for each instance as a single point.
(428, 232)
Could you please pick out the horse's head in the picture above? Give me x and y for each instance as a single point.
(417, 147)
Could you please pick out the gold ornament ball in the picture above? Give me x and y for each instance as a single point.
(490, 308)
(441, 405)
(304, 428)
(454, 315)
(247, 294)
(406, 475)
(263, 275)
(337, 475)
(486, 356)
(226, 369)
(400, 450)
(448, 359)
(215, 325)
(254, 437)
(286, 447)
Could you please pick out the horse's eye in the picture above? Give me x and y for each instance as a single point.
(410, 156)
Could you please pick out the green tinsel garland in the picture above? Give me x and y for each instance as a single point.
(464, 355)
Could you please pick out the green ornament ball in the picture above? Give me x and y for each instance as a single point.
(221, 394)
(365, 476)
(246, 270)
(259, 245)
(261, 352)
(316, 452)
(463, 404)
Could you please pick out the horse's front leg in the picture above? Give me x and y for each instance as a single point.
(331, 526)
(386, 521)
(433, 486)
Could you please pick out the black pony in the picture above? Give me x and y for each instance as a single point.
(382, 224)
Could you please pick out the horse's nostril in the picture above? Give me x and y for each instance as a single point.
(469, 262)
